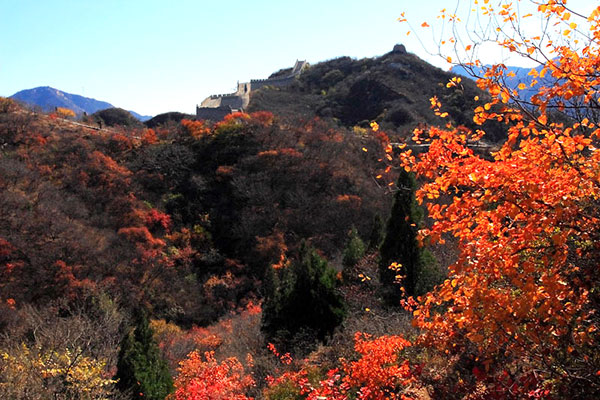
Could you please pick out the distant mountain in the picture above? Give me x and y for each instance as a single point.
(48, 98)
(521, 76)
(394, 90)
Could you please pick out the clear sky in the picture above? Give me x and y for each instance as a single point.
(154, 56)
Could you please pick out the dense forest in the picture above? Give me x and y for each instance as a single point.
(332, 243)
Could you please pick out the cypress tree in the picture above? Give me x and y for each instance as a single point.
(377, 233)
(140, 369)
(355, 249)
(304, 301)
(400, 244)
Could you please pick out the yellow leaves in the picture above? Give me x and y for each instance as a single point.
(425, 25)
(468, 47)
(449, 59)
(374, 126)
(522, 86)
(365, 149)
(543, 119)
(78, 372)
(453, 82)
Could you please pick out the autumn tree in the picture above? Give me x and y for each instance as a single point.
(204, 378)
(521, 302)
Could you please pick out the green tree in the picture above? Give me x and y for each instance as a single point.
(355, 249)
(377, 233)
(303, 300)
(400, 244)
(140, 369)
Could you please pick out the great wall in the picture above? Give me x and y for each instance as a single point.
(215, 107)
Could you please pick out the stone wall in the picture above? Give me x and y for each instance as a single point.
(213, 113)
(239, 100)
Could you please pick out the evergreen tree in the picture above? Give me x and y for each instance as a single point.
(355, 249)
(400, 244)
(304, 302)
(140, 369)
(377, 233)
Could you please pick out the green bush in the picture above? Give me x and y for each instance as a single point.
(355, 249)
(141, 371)
(303, 303)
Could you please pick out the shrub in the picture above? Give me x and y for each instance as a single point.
(303, 303)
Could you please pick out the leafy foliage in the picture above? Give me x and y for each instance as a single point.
(303, 300)
(520, 304)
(140, 369)
(203, 378)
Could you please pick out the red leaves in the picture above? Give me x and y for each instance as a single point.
(140, 235)
(195, 129)
(156, 218)
(206, 379)
(379, 373)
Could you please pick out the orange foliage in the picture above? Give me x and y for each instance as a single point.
(523, 291)
(204, 378)
(149, 137)
(264, 118)
(379, 373)
(65, 112)
(350, 200)
(273, 249)
(195, 129)
(140, 235)
(236, 116)
(156, 218)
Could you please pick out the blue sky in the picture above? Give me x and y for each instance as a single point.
(156, 56)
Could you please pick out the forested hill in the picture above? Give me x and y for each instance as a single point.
(393, 90)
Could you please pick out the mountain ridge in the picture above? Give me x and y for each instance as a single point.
(48, 98)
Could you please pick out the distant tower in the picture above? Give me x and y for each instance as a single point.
(399, 49)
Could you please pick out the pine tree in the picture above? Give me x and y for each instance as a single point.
(304, 301)
(400, 244)
(355, 249)
(377, 233)
(140, 369)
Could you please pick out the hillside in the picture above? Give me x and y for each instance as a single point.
(393, 90)
(48, 98)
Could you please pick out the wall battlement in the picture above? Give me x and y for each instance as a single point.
(216, 106)
(216, 96)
